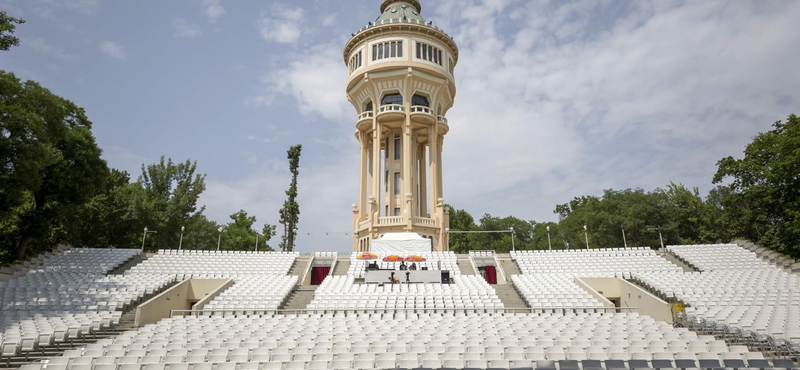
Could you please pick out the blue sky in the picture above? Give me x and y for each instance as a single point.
(555, 99)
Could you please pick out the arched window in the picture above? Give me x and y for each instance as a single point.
(368, 108)
(392, 99)
(419, 100)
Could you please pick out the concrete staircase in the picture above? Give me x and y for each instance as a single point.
(125, 324)
(299, 298)
(774, 258)
(133, 261)
(675, 261)
(508, 265)
(464, 264)
(509, 296)
(342, 265)
(300, 266)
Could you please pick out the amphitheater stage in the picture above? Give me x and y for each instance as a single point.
(414, 276)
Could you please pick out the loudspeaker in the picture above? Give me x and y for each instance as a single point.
(445, 277)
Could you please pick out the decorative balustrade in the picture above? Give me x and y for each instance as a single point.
(421, 109)
(366, 115)
(391, 108)
(390, 220)
(424, 221)
(442, 119)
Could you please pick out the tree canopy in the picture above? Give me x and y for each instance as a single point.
(7, 26)
(765, 188)
(51, 161)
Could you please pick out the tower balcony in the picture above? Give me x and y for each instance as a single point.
(442, 119)
(422, 113)
(391, 111)
(365, 119)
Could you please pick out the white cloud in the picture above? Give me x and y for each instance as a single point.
(87, 7)
(113, 49)
(309, 80)
(40, 46)
(213, 10)
(281, 24)
(322, 196)
(183, 28)
(568, 103)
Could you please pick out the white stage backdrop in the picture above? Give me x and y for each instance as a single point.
(402, 244)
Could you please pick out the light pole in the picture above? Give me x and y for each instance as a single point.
(144, 236)
(258, 231)
(447, 235)
(512, 239)
(623, 236)
(219, 240)
(586, 234)
(180, 243)
(549, 246)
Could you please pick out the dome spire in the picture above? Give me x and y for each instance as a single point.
(412, 3)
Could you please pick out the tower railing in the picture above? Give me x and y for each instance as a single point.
(424, 221)
(442, 119)
(390, 220)
(391, 108)
(365, 115)
(421, 109)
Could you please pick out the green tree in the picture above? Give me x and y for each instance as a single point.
(239, 234)
(164, 199)
(51, 162)
(105, 220)
(7, 26)
(460, 220)
(766, 182)
(290, 213)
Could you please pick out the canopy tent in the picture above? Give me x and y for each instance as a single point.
(401, 244)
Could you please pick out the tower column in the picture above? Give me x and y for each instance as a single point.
(440, 190)
(433, 167)
(363, 176)
(376, 168)
(423, 191)
(408, 159)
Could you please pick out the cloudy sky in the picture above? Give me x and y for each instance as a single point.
(555, 99)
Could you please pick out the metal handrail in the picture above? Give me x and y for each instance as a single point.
(359, 311)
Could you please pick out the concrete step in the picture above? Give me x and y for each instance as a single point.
(509, 296)
(300, 265)
(509, 266)
(464, 264)
(299, 298)
(133, 261)
(342, 265)
(675, 261)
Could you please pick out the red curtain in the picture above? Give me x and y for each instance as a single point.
(491, 275)
(318, 273)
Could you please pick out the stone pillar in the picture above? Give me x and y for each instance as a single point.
(439, 191)
(433, 140)
(363, 178)
(423, 191)
(376, 167)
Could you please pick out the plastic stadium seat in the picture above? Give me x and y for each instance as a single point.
(758, 364)
(545, 365)
(685, 364)
(662, 364)
(709, 364)
(615, 364)
(568, 365)
(638, 364)
(783, 364)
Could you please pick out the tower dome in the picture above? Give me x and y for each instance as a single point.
(401, 83)
(412, 3)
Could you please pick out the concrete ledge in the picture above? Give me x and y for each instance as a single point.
(182, 296)
(594, 293)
